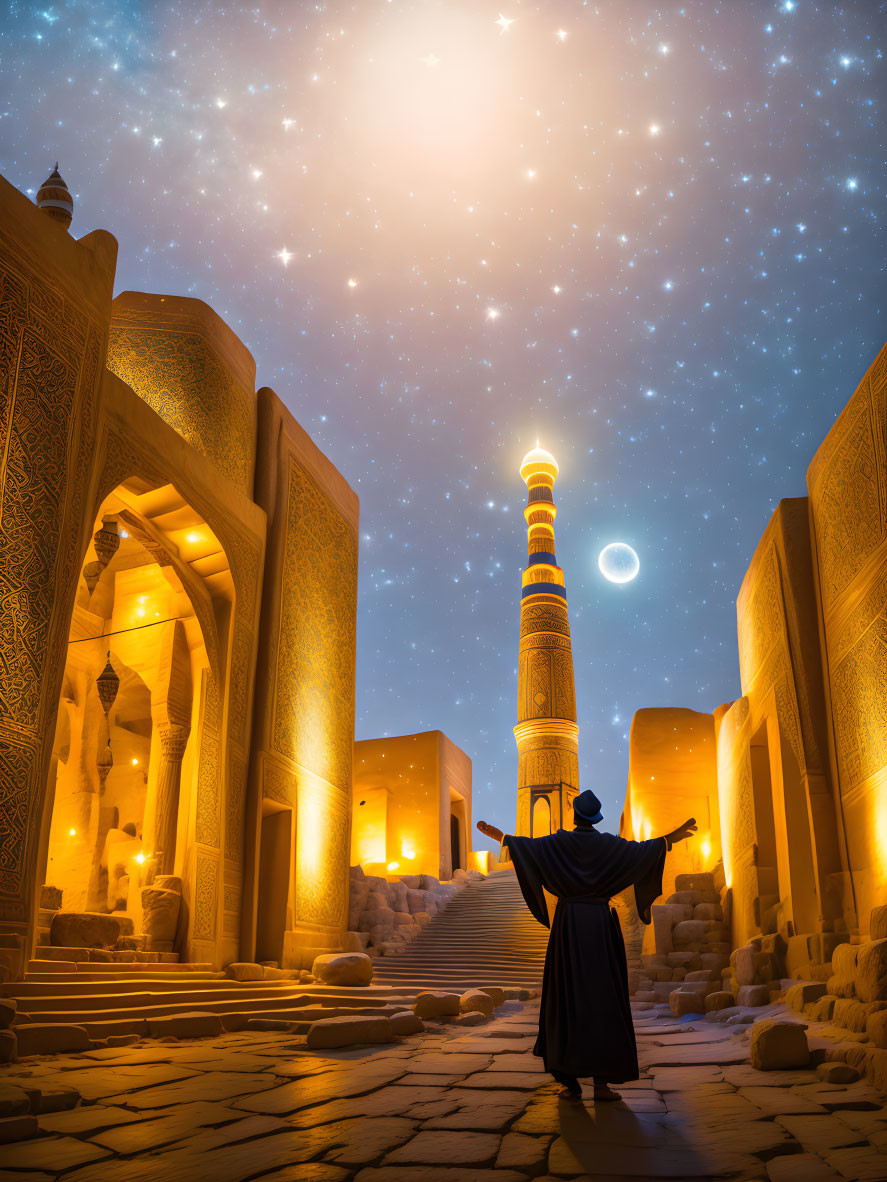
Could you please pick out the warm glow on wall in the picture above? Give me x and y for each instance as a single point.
(140, 858)
(72, 833)
(706, 850)
(407, 850)
(392, 866)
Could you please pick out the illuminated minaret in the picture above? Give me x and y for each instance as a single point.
(546, 732)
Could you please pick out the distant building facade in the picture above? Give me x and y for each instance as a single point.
(178, 588)
(789, 783)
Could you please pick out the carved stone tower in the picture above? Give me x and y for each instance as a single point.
(546, 732)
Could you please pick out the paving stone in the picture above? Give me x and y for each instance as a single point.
(52, 1154)
(680, 1056)
(449, 1064)
(319, 1089)
(864, 1164)
(748, 1076)
(801, 1167)
(82, 1121)
(514, 1062)
(17, 1128)
(522, 1152)
(502, 1079)
(858, 1095)
(98, 1083)
(14, 1100)
(567, 1160)
(423, 1080)
(467, 1149)
(208, 1086)
(677, 1079)
(779, 1101)
(308, 1172)
(476, 1118)
(818, 1133)
(435, 1174)
(396, 1100)
(164, 1129)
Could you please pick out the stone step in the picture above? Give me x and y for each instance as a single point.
(49, 965)
(111, 979)
(33, 993)
(58, 952)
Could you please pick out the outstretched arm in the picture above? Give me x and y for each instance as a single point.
(682, 831)
(490, 831)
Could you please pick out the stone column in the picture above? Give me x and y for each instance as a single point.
(173, 739)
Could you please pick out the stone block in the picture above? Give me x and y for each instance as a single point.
(709, 911)
(8, 1046)
(837, 1073)
(411, 881)
(753, 995)
(422, 917)
(427, 882)
(87, 929)
(742, 962)
(406, 1023)
(686, 899)
(50, 898)
(7, 1012)
(193, 1025)
(17, 1128)
(160, 915)
(778, 1046)
(798, 952)
(801, 995)
(842, 982)
(497, 994)
(346, 1032)
(376, 917)
(719, 1000)
(689, 931)
(436, 1004)
(876, 1028)
(475, 1000)
(343, 968)
(703, 975)
(701, 880)
(14, 1100)
(474, 1018)
(713, 960)
(683, 1001)
(685, 960)
(878, 923)
(242, 970)
(871, 971)
(40, 1038)
(822, 1010)
(355, 941)
(377, 899)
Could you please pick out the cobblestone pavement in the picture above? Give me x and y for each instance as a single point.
(456, 1104)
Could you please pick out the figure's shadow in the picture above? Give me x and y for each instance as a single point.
(610, 1139)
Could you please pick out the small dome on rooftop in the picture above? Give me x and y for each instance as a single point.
(536, 457)
(55, 200)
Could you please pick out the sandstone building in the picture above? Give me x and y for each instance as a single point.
(789, 782)
(178, 584)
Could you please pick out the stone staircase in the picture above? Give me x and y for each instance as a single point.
(484, 936)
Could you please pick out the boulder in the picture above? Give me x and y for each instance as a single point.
(417, 900)
(719, 1000)
(88, 929)
(7, 1012)
(50, 898)
(376, 917)
(703, 975)
(406, 1023)
(497, 994)
(38, 1038)
(411, 881)
(355, 941)
(241, 970)
(877, 923)
(682, 1001)
(837, 1073)
(476, 1000)
(427, 882)
(871, 971)
(328, 1033)
(397, 896)
(778, 1046)
(376, 900)
(690, 961)
(803, 994)
(343, 968)
(403, 919)
(191, 1025)
(474, 1018)
(842, 982)
(753, 995)
(436, 1004)
(700, 880)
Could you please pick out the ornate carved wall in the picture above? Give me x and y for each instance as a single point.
(304, 719)
(186, 363)
(54, 304)
(847, 482)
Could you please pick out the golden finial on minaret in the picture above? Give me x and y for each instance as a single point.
(547, 734)
(55, 200)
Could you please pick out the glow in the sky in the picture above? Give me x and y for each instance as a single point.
(618, 563)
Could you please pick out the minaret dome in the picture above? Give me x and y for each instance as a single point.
(55, 200)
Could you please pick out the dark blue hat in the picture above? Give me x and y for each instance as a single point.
(587, 807)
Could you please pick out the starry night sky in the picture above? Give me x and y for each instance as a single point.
(650, 236)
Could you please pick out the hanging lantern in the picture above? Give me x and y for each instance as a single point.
(104, 763)
(107, 683)
(106, 541)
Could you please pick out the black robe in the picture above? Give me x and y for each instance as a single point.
(585, 1025)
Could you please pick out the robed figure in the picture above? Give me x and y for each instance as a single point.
(585, 1026)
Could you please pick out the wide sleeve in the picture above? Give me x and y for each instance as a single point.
(529, 877)
(650, 865)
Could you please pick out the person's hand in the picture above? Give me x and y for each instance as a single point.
(686, 830)
(490, 830)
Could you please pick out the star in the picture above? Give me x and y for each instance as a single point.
(504, 22)
(285, 256)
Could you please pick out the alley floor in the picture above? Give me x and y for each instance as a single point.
(455, 1104)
